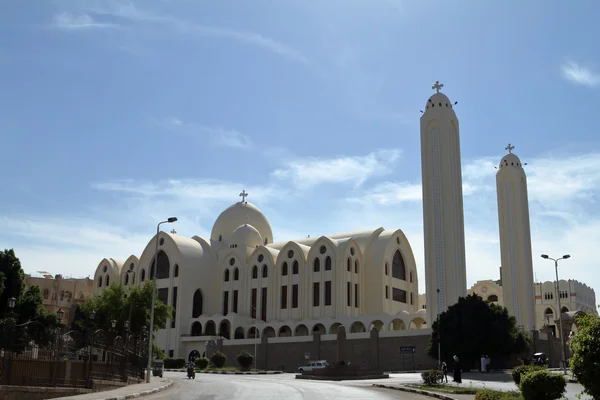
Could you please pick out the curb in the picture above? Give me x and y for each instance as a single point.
(417, 391)
(142, 394)
(230, 372)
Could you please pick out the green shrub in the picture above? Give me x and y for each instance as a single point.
(521, 370)
(201, 362)
(488, 394)
(218, 359)
(542, 385)
(174, 363)
(432, 377)
(245, 359)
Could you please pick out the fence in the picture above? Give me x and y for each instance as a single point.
(75, 360)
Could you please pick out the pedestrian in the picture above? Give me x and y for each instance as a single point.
(444, 371)
(482, 361)
(487, 363)
(457, 373)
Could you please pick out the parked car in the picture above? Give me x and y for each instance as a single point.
(313, 365)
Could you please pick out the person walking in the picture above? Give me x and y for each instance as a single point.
(482, 361)
(444, 372)
(457, 372)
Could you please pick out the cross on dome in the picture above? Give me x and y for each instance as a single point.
(243, 195)
(174, 232)
(509, 148)
(437, 86)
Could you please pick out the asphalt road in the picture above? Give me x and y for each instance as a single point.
(269, 387)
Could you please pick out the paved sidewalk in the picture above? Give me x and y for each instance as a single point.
(126, 392)
(444, 396)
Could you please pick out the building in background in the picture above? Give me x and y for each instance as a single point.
(61, 293)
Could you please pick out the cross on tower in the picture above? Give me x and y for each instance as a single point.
(243, 195)
(173, 231)
(437, 86)
(509, 148)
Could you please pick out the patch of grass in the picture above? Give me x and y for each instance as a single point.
(446, 389)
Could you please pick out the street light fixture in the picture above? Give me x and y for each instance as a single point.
(11, 303)
(562, 340)
(153, 277)
(60, 313)
(439, 332)
(113, 323)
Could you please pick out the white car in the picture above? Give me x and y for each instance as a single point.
(313, 365)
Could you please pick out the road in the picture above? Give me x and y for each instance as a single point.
(269, 387)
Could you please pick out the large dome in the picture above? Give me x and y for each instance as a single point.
(239, 214)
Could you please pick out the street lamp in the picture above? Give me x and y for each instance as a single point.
(562, 340)
(153, 276)
(11, 304)
(439, 332)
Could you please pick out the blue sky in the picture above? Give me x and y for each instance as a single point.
(116, 114)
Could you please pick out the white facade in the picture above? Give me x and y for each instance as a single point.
(443, 219)
(515, 240)
(239, 280)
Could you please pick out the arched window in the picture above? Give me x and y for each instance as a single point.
(133, 278)
(254, 272)
(492, 298)
(236, 274)
(198, 303)
(176, 272)
(220, 238)
(126, 279)
(410, 275)
(317, 265)
(328, 264)
(284, 269)
(100, 281)
(295, 268)
(386, 268)
(196, 329)
(46, 293)
(398, 266)
(226, 275)
(163, 266)
(107, 280)
(564, 310)
(265, 271)
(349, 264)
(143, 276)
(266, 241)
(356, 266)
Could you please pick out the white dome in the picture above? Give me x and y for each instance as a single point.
(246, 235)
(239, 214)
(510, 160)
(438, 100)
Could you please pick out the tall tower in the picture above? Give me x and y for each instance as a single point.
(443, 219)
(515, 240)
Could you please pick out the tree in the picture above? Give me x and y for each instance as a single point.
(29, 321)
(120, 304)
(586, 353)
(473, 327)
(12, 277)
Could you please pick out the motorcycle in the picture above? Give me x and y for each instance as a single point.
(191, 374)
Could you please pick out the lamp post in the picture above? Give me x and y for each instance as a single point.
(562, 340)
(439, 332)
(153, 276)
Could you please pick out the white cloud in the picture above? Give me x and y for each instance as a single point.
(577, 74)
(129, 11)
(66, 20)
(356, 170)
(217, 135)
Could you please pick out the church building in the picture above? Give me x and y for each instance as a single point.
(240, 282)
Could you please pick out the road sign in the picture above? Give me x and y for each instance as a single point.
(211, 343)
(408, 350)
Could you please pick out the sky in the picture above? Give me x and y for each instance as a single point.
(117, 114)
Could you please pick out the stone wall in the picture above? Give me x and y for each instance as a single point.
(37, 393)
(368, 350)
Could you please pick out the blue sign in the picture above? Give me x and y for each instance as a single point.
(211, 343)
(408, 349)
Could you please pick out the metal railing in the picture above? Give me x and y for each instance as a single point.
(75, 360)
